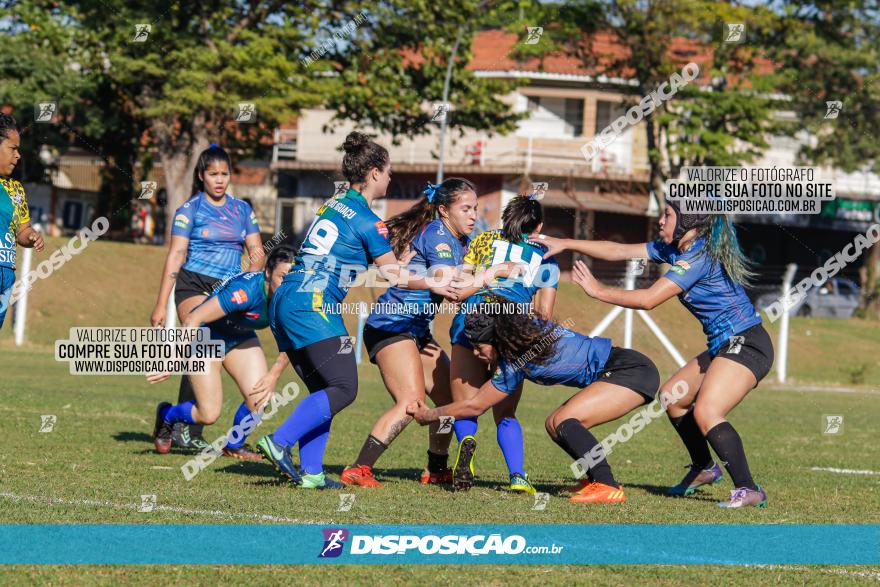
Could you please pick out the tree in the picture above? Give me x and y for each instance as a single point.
(830, 51)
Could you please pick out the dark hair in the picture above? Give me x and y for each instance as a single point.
(521, 216)
(208, 156)
(280, 254)
(7, 123)
(514, 334)
(403, 227)
(361, 155)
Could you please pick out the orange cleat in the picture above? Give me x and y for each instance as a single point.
(361, 476)
(443, 477)
(598, 493)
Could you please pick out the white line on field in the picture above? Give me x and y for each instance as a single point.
(160, 508)
(823, 389)
(845, 471)
(870, 574)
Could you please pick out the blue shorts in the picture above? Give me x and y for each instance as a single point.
(231, 335)
(295, 324)
(7, 280)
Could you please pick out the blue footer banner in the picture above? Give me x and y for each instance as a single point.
(829, 544)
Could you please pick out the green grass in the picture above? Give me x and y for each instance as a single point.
(100, 450)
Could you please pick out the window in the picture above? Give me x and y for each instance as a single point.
(606, 112)
(574, 115)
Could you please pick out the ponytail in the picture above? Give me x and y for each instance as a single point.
(723, 247)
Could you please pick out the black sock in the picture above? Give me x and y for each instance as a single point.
(186, 394)
(437, 462)
(729, 447)
(693, 439)
(579, 442)
(370, 451)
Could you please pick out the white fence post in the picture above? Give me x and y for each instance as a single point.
(629, 284)
(363, 314)
(21, 304)
(782, 360)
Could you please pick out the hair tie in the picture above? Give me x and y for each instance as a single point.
(214, 146)
(431, 191)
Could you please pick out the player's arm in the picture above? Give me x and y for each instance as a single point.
(470, 282)
(638, 299)
(486, 397)
(28, 237)
(173, 262)
(208, 311)
(543, 303)
(398, 275)
(604, 250)
(256, 254)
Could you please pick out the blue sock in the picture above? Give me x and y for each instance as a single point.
(311, 448)
(240, 414)
(465, 427)
(180, 413)
(308, 415)
(510, 439)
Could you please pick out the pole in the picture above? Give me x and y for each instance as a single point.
(782, 360)
(445, 104)
(363, 314)
(21, 304)
(629, 284)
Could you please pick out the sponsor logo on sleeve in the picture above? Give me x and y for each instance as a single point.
(181, 221)
(383, 230)
(680, 267)
(240, 297)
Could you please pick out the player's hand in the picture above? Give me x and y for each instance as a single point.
(36, 240)
(554, 245)
(582, 276)
(448, 292)
(155, 378)
(417, 410)
(263, 390)
(157, 318)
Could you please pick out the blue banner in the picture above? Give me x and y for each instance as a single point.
(829, 544)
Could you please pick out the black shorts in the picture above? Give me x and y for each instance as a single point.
(751, 348)
(189, 284)
(375, 340)
(633, 370)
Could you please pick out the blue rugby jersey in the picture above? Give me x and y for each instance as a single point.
(216, 234)
(410, 310)
(576, 362)
(719, 303)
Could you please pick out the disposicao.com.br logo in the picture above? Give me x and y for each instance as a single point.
(476, 545)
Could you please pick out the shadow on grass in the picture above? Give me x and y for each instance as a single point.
(661, 491)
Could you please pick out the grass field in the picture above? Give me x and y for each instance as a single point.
(97, 462)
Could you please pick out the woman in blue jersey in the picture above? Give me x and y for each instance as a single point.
(208, 235)
(233, 313)
(517, 346)
(305, 316)
(397, 334)
(707, 272)
(522, 219)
